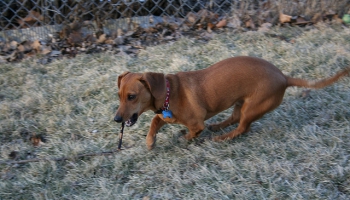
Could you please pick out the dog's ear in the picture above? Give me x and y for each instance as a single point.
(155, 82)
(120, 77)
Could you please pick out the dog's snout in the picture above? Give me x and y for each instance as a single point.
(118, 119)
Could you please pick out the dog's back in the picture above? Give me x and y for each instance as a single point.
(234, 79)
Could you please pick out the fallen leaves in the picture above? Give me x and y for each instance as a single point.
(285, 18)
(74, 37)
(221, 23)
(32, 18)
(302, 20)
(265, 27)
(249, 23)
(36, 45)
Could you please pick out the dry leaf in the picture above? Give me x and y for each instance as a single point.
(20, 48)
(13, 45)
(173, 26)
(129, 33)
(109, 41)
(206, 17)
(119, 32)
(2, 59)
(11, 57)
(266, 5)
(285, 18)
(207, 36)
(36, 45)
(234, 22)
(30, 19)
(265, 27)
(33, 16)
(203, 15)
(191, 18)
(26, 45)
(55, 53)
(75, 38)
(45, 50)
(68, 29)
(209, 29)
(337, 19)
(119, 40)
(249, 23)
(330, 12)
(184, 28)
(213, 16)
(221, 23)
(90, 39)
(30, 53)
(168, 37)
(316, 18)
(76, 25)
(101, 39)
(210, 25)
(301, 21)
(5, 47)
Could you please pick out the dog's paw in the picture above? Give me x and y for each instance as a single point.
(151, 146)
(218, 139)
(188, 136)
(183, 132)
(150, 142)
(214, 127)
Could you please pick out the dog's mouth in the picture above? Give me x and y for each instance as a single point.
(132, 120)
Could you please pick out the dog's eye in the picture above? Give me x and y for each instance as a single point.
(131, 97)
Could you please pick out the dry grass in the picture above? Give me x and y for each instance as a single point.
(299, 151)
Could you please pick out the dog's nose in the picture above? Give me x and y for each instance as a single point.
(118, 118)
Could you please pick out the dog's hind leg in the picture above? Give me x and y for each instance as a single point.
(233, 119)
(195, 130)
(251, 111)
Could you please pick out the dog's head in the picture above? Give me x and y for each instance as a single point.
(138, 93)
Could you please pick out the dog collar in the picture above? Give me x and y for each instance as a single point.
(166, 104)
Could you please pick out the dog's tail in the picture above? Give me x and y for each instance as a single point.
(317, 84)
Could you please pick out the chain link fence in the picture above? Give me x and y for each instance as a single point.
(31, 13)
(35, 19)
(50, 15)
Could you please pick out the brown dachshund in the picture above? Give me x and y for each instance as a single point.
(252, 85)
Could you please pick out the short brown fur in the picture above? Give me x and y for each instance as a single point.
(252, 85)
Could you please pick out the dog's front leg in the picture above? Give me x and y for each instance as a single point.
(156, 124)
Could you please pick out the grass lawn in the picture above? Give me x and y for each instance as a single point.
(301, 150)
